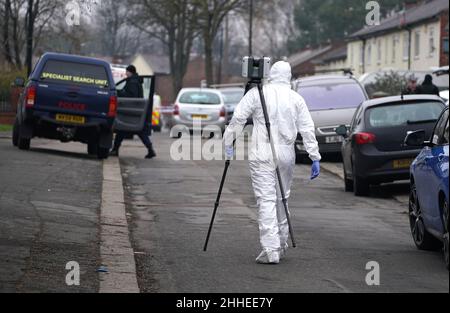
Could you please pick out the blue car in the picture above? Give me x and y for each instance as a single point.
(428, 202)
(67, 98)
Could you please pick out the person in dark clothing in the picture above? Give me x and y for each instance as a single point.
(133, 89)
(427, 87)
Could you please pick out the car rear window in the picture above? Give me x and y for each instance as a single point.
(404, 114)
(232, 97)
(332, 96)
(74, 73)
(199, 97)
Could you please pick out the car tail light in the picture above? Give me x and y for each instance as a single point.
(30, 96)
(364, 138)
(223, 113)
(112, 106)
(176, 110)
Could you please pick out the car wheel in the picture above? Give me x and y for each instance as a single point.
(361, 187)
(422, 238)
(444, 204)
(348, 182)
(15, 134)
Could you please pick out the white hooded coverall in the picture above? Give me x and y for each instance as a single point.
(288, 116)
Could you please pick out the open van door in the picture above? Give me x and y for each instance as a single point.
(133, 113)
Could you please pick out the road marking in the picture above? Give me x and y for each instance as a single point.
(116, 251)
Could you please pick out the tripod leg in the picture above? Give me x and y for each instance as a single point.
(216, 204)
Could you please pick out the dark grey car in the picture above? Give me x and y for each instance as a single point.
(332, 101)
(373, 151)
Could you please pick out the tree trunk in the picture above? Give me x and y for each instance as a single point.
(7, 48)
(208, 59)
(30, 30)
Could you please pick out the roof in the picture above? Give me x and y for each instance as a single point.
(325, 79)
(414, 15)
(336, 54)
(160, 64)
(73, 58)
(306, 55)
(393, 99)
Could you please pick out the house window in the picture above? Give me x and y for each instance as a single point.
(386, 50)
(417, 44)
(369, 53)
(406, 46)
(431, 42)
(379, 53)
(395, 45)
(361, 54)
(352, 57)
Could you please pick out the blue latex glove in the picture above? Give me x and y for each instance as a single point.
(229, 152)
(315, 169)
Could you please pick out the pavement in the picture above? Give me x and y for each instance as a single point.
(49, 205)
(170, 205)
(134, 224)
(59, 205)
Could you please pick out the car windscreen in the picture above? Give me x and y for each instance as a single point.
(74, 73)
(332, 96)
(232, 97)
(402, 114)
(199, 97)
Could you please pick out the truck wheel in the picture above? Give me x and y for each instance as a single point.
(22, 142)
(92, 148)
(15, 134)
(102, 153)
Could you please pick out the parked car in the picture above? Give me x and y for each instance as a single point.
(68, 98)
(231, 97)
(332, 101)
(156, 115)
(428, 201)
(203, 104)
(373, 150)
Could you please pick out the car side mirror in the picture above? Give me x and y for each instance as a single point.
(19, 82)
(342, 131)
(416, 139)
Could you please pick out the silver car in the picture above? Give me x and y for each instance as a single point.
(332, 101)
(202, 105)
(232, 96)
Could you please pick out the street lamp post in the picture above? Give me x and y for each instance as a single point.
(250, 48)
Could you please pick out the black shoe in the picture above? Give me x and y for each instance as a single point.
(114, 152)
(151, 154)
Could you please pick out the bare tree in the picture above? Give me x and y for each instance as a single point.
(23, 21)
(173, 22)
(211, 14)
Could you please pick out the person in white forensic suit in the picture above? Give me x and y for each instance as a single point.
(288, 116)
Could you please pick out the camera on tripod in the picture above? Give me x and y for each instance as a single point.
(256, 68)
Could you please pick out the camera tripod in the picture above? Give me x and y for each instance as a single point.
(258, 83)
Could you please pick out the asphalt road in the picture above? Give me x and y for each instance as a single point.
(170, 203)
(49, 215)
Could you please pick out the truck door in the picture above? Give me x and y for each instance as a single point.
(134, 113)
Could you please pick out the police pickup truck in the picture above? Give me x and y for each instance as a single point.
(68, 98)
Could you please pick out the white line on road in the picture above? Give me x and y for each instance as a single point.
(115, 248)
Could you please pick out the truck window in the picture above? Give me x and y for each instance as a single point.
(74, 73)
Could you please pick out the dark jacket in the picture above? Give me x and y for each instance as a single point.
(133, 88)
(428, 88)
